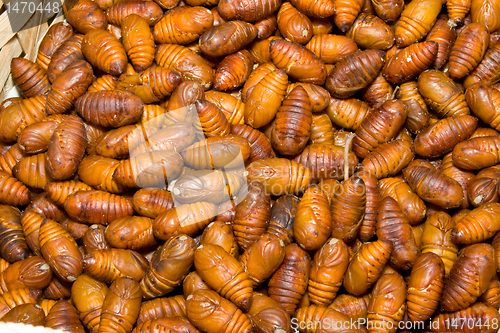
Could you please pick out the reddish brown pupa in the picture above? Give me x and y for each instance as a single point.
(233, 71)
(29, 77)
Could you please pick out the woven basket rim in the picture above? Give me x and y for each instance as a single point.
(22, 43)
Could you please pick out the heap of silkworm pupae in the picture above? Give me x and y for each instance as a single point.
(367, 198)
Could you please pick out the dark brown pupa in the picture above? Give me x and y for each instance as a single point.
(469, 277)
(55, 37)
(66, 148)
(13, 246)
(394, 227)
(68, 86)
(289, 283)
(29, 77)
(297, 61)
(247, 10)
(292, 127)
(444, 35)
(120, 10)
(398, 69)
(370, 134)
(110, 108)
(233, 71)
(183, 25)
